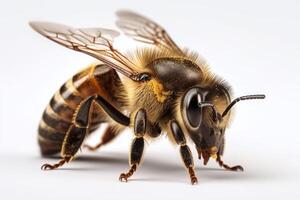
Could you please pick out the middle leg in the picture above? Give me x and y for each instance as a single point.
(137, 147)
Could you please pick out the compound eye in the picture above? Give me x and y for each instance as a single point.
(192, 111)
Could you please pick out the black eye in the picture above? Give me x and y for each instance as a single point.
(191, 111)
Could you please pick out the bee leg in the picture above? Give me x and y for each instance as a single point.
(79, 128)
(60, 163)
(75, 134)
(153, 130)
(116, 115)
(185, 151)
(138, 142)
(234, 168)
(109, 134)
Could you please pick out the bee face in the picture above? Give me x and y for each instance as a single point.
(213, 130)
(201, 108)
(212, 139)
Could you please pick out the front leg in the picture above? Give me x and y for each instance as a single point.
(222, 164)
(137, 147)
(185, 151)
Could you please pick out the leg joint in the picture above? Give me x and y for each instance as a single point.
(115, 114)
(177, 133)
(186, 156)
(140, 122)
(137, 149)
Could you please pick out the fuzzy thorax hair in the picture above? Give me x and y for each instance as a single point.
(154, 94)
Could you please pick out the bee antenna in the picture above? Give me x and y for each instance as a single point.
(248, 97)
(212, 106)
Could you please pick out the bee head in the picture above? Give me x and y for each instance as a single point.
(201, 120)
(204, 119)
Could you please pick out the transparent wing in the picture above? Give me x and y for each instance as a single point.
(96, 42)
(145, 30)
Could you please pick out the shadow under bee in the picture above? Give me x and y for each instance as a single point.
(157, 170)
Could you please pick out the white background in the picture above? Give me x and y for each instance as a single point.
(254, 45)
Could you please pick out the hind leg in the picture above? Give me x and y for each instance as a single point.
(75, 135)
(109, 134)
(79, 128)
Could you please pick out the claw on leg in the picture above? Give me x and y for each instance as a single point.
(234, 168)
(55, 166)
(124, 176)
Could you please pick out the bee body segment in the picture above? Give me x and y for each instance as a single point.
(59, 114)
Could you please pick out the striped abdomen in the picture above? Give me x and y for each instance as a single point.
(57, 117)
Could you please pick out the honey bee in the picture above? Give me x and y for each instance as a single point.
(163, 89)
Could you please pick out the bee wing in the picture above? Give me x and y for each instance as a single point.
(96, 42)
(145, 30)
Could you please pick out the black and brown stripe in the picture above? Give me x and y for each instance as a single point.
(58, 115)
